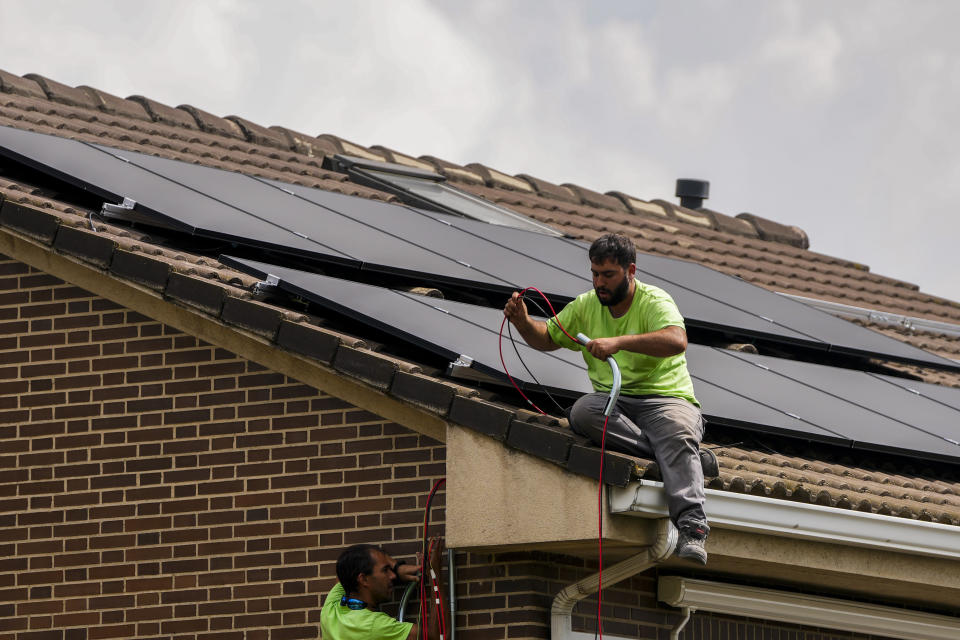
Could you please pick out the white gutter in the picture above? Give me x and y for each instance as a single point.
(877, 317)
(798, 520)
(563, 603)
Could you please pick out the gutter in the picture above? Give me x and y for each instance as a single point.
(563, 603)
(798, 520)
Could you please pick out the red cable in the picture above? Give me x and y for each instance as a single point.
(434, 580)
(426, 559)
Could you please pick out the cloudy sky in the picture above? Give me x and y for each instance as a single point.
(837, 117)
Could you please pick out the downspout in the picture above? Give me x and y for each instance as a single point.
(564, 601)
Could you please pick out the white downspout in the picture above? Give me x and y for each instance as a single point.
(564, 601)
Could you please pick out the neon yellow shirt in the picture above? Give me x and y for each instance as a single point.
(343, 623)
(652, 309)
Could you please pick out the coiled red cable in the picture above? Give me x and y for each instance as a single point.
(500, 346)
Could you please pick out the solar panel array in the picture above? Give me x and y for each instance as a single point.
(785, 397)
(816, 402)
(389, 238)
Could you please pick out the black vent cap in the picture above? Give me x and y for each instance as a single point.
(692, 193)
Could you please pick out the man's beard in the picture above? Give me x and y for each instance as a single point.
(617, 296)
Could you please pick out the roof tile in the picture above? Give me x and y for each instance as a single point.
(776, 232)
(423, 391)
(595, 199)
(165, 114)
(399, 158)
(40, 225)
(730, 224)
(498, 179)
(306, 145)
(258, 317)
(201, 293)
(454, 172)
(89, 246)
(618, 469)
(62, 93)
(256, 134)
(485, 417)
(115, 105)
(10, 83)
(214, 124)
(637, 205)
(542, 441)
(365, 365)
(309, 340)
(151, 271)
(351, 148)
(551, 190)
(682, 214)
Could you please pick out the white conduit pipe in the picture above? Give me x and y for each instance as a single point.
(564, 601)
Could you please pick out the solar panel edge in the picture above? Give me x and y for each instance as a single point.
(37, 165)
(291, 288)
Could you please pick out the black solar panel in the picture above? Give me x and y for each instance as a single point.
(770, 395)
(857, 405)
(447, 328)
(709, 298)
(384, 237)
(496, 263)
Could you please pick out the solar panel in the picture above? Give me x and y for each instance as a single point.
(765, 394)
(500, 264)
(389, 238)
(842, 336)
(708, 298)
(444, 327)
(279, 204)
(853, 404)
(570, 257)
(944, 395)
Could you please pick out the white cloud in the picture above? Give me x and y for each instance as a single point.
(805, 61)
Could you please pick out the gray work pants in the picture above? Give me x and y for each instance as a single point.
(668, 429)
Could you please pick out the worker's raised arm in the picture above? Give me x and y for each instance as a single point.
(533, 332)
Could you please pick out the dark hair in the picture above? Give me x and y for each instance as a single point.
(616, 246)
(354, 561)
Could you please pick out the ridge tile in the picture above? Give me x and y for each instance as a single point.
(10, 83)
(62, 93)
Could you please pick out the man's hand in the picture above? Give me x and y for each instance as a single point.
(408, 573)
(603, 348)
(516, 311)
(533, 332)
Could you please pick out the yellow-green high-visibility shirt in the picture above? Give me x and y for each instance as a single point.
(343, 623)
(652, 309)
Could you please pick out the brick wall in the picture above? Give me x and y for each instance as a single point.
(152, 485)
(155, 486)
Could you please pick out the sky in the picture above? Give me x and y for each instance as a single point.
(836, 117)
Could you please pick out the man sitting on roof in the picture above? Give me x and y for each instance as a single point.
(657, 414)
(366, 577)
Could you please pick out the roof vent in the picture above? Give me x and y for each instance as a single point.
(692, 193)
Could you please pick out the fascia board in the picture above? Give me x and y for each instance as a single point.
(770, 516)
